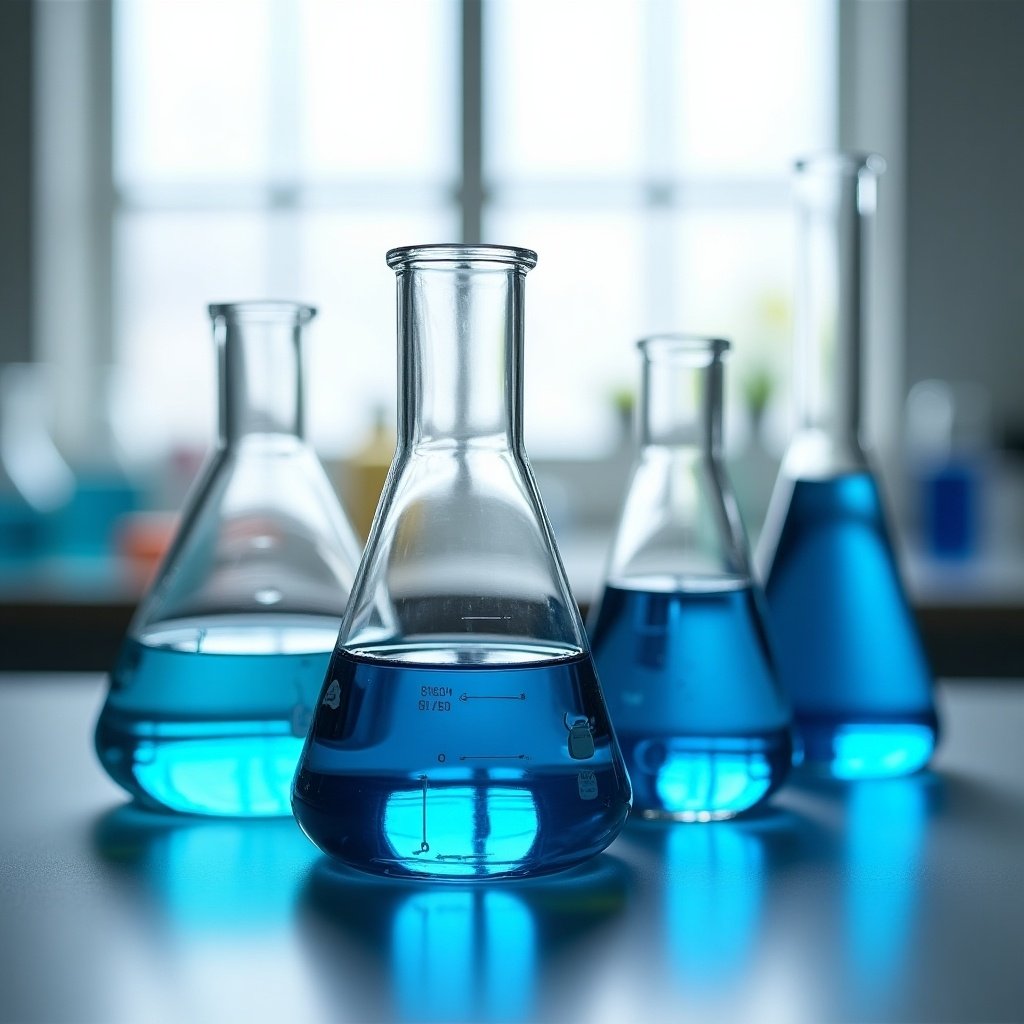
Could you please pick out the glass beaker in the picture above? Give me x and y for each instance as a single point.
(461, 730)
(36, 483)
(845, 637)
(678, 634)
(214, 687)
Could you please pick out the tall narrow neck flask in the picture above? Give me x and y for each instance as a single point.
(678, 636)
(214, 687)
(461, 731)
(846, 640)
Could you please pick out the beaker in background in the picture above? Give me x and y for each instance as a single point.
(678, 636)
(106, 494)
(845, 637)
(461, 730)
(948, 446)
(36, 483)
(214, 686)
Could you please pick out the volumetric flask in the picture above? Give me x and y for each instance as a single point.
(678, 634)
(214, 687)
(461, 731)
(846, 641)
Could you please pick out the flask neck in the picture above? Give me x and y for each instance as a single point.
(260, 358)
(835, 199)
(681, 394)
(679, 526)
(460, 354)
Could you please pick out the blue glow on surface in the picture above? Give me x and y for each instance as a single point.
(713, 900)
(844, 635)
(886, 829)
(699, 715)
(459, 955)
(208, 876)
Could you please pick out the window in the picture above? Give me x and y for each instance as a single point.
(272, 148)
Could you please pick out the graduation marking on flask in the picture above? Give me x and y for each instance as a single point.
(491, 696)
(494, 757)
(424, 845)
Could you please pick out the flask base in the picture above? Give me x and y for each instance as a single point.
(844, 748)
(489, 826)
(704, 778)
(232, 769)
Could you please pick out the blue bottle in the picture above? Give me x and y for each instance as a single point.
(215, 683)
(461, 732)
(847, 644)
(678, 635)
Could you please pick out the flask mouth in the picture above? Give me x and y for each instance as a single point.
(840, 162)
(693, 345)
(263, 309)
(461, 255)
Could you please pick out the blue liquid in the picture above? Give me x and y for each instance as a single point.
(420, 765)
(209, 718)
(703, 726)
(845, 637)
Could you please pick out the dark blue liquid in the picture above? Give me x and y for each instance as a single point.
(210, 719)
(687, 675)
(845, 638)
(461, 770)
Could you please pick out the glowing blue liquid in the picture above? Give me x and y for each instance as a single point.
(210, 718)
(845, 638)
(419, 766)
(689, 683)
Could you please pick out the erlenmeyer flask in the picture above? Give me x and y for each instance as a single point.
(678, 634)
(461, 730)
(214, 687)
(846, 640)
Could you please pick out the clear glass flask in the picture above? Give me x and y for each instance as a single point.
(214, 687)
(461, 731)
(846, 640)
(678, 634)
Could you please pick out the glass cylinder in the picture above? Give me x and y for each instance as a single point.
(214, 687)
(845, 636)
(461, 731)
(678, 634)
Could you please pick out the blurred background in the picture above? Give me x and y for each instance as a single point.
(162, 154)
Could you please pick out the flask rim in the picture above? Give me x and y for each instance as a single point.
(684, 342)
(853, 162)
(263, 309)
(454, 252)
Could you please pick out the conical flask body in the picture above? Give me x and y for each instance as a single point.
(847, 644)
(214, 686)
(461, 731)
(846, 638)
(678, 636)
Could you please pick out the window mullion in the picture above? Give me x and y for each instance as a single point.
(471, 192)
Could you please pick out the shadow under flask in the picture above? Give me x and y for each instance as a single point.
(461, 731)
(847, 644)
(678, 634)
(215, 683)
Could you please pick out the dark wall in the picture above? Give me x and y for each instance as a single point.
(15, 180)
(965, 197)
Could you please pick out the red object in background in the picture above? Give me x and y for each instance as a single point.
(142, 539)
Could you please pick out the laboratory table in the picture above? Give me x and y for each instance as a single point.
(896, 900)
